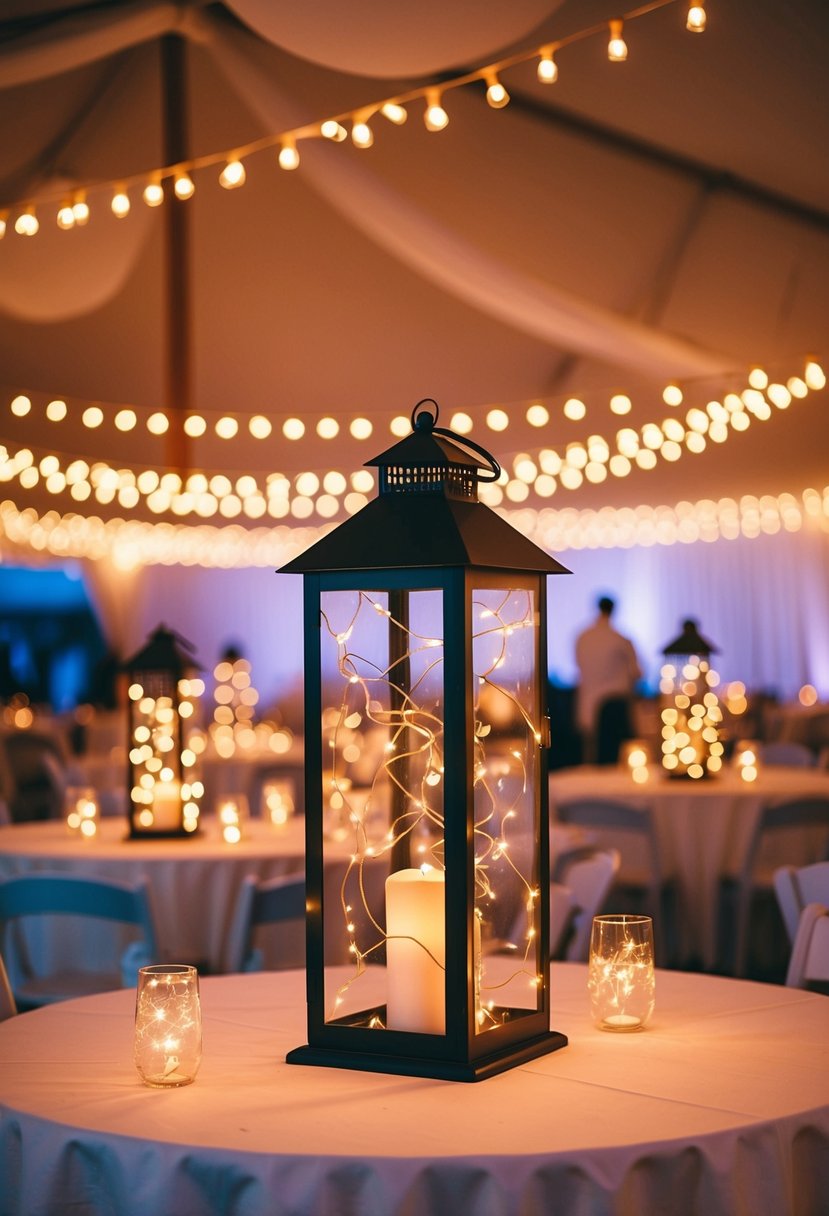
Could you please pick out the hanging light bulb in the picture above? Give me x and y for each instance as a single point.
(617, 49)
(435, 116)
(362, 135)
(695, 21)
(26, 223)
(153, 193)
(80, 208)
(183, 185)
(814, 375)
(394, 113)
(333, 130)
(120, 203)
(496, 95)
(233, 174)
(66, 216)
(288, 155)
(547, 70)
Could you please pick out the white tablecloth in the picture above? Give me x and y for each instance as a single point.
(193, 881)
(704, 829)
(720, 1107)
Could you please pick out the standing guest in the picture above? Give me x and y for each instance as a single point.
(608, 671)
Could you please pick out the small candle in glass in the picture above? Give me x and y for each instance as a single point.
(634, 755)
(232, 816)
(168, 1038)
(277, 802)
(746, 754)
(82, 812)
(621, 978)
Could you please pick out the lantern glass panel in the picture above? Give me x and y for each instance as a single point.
(383, 732)
(506, 701)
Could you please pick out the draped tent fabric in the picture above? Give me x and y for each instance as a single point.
(634, 224)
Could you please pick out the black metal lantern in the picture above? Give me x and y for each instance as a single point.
(162, 795)
(425, 766)
(691, 713)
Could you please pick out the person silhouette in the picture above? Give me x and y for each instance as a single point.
(608, 671)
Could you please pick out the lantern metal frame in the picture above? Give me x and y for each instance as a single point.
(428, 514)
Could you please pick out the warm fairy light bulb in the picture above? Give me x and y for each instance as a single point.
(20, 406)
(814, 375)
(617, 50)
(153, 194)
(496, 95)
(56, 411)
(194, 426)
(26, 223)
(259, 426)
(333, 130)
(757, 378)
(183, 185)
(461, 423)
(695, 20)
(574, 409)
(547, 70)
(288, 155)
(620, 403)
(4, 219)
(120, 204)
(293, 428)
(362, 135)
(80, 209)
(538, 415)
(232, 175)
(435, 116)
(158, 424)
(394, 113)
(66, 217)
(497, 420)
(672, 394)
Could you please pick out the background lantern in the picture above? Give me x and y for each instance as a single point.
(691, 713)
(425, 749)
(162, 795)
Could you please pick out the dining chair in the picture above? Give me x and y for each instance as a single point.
(648, 888)
(809, 963)
(588, 875)
(563, 909)
(796, 887)
(32, 770)
(793, 755)
(276, 901)
(773, 830)
(8, 1005)
(51, 900)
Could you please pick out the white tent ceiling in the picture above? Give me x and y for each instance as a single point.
(663, 219)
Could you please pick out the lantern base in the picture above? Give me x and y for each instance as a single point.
(441, 1070)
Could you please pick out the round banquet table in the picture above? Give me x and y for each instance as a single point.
(704, 829)
(721, 1106)
(193, 881)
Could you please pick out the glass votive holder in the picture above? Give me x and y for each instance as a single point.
(621, 978)
(277, 802)
(746, 759)
(233, 814)
(81, 810)
(167, 1024)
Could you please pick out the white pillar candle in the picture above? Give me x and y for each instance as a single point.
(166, 805)
(416, 951)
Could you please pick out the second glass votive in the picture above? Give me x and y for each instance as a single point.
(621, 978)
(167, 1024)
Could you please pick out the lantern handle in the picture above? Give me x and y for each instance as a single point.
(425, 421)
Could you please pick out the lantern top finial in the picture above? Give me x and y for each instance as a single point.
(691, 641)
(165, 650)
(434, 460)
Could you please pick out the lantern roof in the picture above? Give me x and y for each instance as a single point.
(163, 651)
(427, 513)
(690, 641)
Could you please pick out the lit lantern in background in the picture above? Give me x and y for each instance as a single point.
(163, 795)
(691, 714)
(425, 694)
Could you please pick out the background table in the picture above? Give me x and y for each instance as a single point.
(721, 1106)
(193, 882)
(704, 828)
